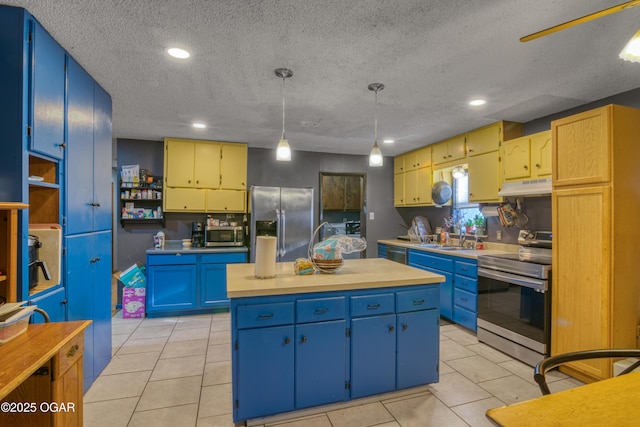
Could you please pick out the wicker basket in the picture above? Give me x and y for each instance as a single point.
(323, 265)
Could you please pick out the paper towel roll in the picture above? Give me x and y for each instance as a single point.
(265, 267)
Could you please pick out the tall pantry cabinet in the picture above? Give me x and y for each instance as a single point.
(595, 295)
(55, 123)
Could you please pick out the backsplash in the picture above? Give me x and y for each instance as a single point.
(538, 209)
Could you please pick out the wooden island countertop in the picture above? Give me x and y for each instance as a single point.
(367, 273)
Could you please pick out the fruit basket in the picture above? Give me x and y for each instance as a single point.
(323, 265)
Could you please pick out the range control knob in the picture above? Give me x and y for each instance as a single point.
(530, 235)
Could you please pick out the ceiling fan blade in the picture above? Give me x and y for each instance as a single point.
(577, 21)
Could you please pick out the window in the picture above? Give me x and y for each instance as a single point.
(463, 210)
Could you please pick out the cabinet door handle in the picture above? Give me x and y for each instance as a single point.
(73, 350)
(303, 339)
(526, 167)
(538, 165)
(265, 316)
(321, 310)
(418, 301)
(287, 340)
(391, 328)
(470, 150)
(62, 145)
(405, 326)
(373, 306)
(464, 299)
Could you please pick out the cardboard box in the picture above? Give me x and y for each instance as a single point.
(133, 292)
(133, 302)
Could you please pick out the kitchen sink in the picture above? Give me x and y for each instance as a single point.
(429, 245)
(453, 248)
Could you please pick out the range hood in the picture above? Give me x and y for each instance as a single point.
(530, 187)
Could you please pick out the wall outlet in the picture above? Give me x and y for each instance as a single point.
(499, 235)
(371, 216)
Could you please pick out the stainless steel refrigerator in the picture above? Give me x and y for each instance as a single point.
(290, 211)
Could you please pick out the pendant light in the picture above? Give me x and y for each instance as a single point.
(375, 157)
(283, 151)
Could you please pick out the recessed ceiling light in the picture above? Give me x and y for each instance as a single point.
(388, 141)
(477, 102)
(198, 125)
(176, 52)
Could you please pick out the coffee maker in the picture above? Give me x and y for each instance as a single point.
(197, 234)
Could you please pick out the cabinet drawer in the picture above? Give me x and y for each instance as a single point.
(372, 305)
(467, 268)
(69, 354)
(173, 259)
(465, 318)
(430, 261)
(259, 315)
(422, 299)
(224, 258)
(320, 309)
(465, 299)
(467, 283)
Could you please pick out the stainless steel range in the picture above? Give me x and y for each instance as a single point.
(514, 298)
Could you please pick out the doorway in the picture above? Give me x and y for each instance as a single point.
(342, 206)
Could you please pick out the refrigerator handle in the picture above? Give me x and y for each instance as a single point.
(278, 233)
(283, 239)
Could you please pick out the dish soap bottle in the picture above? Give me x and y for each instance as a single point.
(158, 240)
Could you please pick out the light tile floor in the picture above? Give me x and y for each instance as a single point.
(176, 371)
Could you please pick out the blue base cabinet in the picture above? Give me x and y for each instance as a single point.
(459, 292)
(181, 284)
(297, 351)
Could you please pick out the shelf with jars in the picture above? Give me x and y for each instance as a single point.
(141, 202)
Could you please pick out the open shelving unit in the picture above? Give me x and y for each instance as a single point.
(9, 250)
(146, 199)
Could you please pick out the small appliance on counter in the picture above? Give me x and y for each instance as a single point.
(197, 234)
(35, 262)
(224, 235)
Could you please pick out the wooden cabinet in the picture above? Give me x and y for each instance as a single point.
(192, 165)
(46, 379)
(449, 150)
(595, 291)
(342, 192)
(484, 177)
(9, 250)
(417, 159)
(398, 164)
(527, 157)
(489, 138)
(417, 187)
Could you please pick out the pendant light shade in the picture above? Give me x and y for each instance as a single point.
(283, 151)
(631, 51)
(375, 157)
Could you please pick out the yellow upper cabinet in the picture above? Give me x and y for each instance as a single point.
(417, 159)
(484, 177)
(233, 167)
(191, 164)
(398, 190)
(398, 164)
(449, 150)
(527, 157)
(417, 187)
(226, 201)
(489, 138)
(583, 154)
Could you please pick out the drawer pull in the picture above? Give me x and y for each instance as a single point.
(287, 340)
(303, 339)
(418, 301)
(265, 316)
(405, 326)
(73, 350)
(391, 328)
(321, 310)
(373, 306)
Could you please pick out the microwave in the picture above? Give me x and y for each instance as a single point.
(224, 235)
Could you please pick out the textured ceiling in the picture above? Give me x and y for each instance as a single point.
(432, 56)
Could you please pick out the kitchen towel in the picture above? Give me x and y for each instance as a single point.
(265, 267)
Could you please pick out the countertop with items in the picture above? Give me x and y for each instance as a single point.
(490, 248)
(175, 247)
(366, 273)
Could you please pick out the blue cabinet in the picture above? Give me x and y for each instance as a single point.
(88, 195)
(53, 302)
(179, 283)
(48, 81)
(88, 286)
(437, 264)
(382, 250)
(319, 348)
(459, 292)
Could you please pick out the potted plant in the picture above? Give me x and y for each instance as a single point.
(479, 222)
(469, 225)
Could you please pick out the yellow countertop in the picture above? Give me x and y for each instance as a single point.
(355, 274)
(494, 249)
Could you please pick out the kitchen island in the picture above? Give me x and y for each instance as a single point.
(305, 341)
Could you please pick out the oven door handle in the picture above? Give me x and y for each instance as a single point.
(539, 285)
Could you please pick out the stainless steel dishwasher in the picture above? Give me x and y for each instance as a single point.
(397, 254)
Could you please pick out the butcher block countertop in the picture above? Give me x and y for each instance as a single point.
(355, 274)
